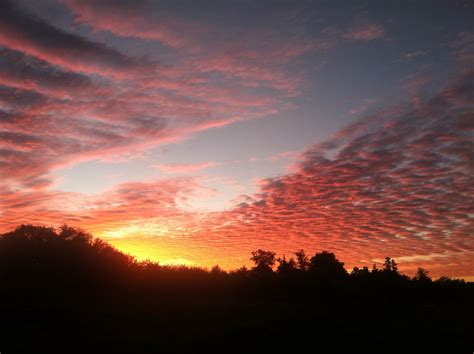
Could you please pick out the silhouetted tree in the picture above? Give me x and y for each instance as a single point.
(41, 255)
(264, 260)
(360, 272)
(76, 235)
(390, 265)
(375, 270)
(240, 273)
(447, 281)
(302, 260)
(286, 266)
(422, 276)
(326, 265)
(217, 271)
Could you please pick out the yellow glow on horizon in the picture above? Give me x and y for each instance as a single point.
(142, 229)
(143, 251)
(136, 241)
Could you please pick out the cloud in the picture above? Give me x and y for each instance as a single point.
(463, 47)
(65, 98)
(401, 185)
(255, 58)
(142, 19)
(398, 183)
(185, 168)
(122, 205)
(413, 54)
(24, 72)
(364, 32)
(22, 31)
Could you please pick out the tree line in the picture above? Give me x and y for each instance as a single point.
(62, 290)
(32, 249)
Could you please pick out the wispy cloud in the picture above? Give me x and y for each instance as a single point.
(66, 98)
(185, 168)
(24, 32)
(364, 32)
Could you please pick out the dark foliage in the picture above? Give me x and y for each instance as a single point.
(65, 291)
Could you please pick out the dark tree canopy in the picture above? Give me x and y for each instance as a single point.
(325, 264)
(264, 260)
(36, 252)
(286, 266)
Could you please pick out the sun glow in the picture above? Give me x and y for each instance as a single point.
(144, 229)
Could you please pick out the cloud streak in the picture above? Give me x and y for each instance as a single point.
(141, 19)
(185, 168)
(24, 32)
(365, 32)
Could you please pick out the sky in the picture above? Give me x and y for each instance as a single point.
(194, 132)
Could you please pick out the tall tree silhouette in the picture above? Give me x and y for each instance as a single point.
(422, 276)
(302, 260)
(390, 265)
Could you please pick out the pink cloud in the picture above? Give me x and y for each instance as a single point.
(26, 33)
(66, 117)
(122, 204)
(132, 19)
(257, 58)
(185, 168)
(68, 99)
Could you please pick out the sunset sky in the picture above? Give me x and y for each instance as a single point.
(194, 132)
